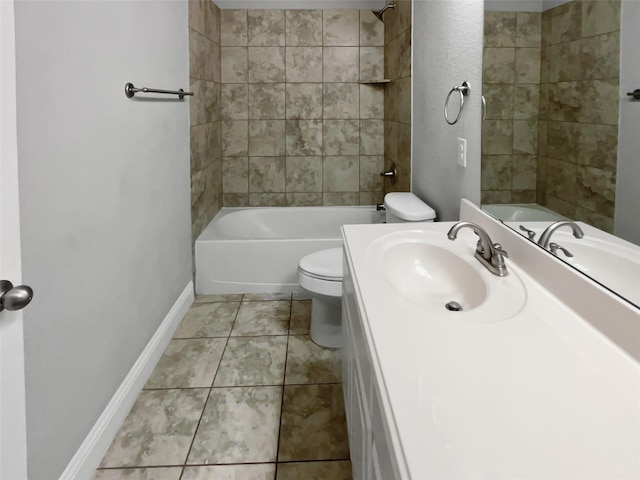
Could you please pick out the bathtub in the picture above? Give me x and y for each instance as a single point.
(523, 212)
(257, 250)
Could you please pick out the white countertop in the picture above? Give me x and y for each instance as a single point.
(540, 395)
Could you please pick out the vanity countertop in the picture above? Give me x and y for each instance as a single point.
(542, 394)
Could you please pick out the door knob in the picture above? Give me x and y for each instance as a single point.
(14, 298)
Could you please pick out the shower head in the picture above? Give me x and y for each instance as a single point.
(380, 13)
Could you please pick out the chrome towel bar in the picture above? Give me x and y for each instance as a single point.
(130, 90)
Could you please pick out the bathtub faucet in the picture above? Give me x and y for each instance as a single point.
(545, 238)
(380, 206)
(489, 254)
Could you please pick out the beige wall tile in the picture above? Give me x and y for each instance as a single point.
(340, 64)
(370, 169)
(499, 99)
(266, 174)
(371, 137)
(499, 65)
(267, 101)
(371, 63)
(265, 28)
(304, 100)
(340, 100)
(525, 136)
(338, 199)
(212, 21)
(565, 62)
(526, 101)
(527, 65)
(593, 218)
(303, 28)
(266, 138)
(599, 101)
(341, 137)
(235, 174)
(496, 172)
(598, 146)
(371, 30)
(304, 199)
(233, 28)
(235, 138)
(235, 199)
(371, 198)
(596, 190)
(341, 27)
(304, 64)
(528, 29)
(235, 102)
(499, 29)
(493, 196)
(304, 137)
(371, 101)
(234, 64)
(600, 16)
(566, 22)
(197, 52)
(341, 174)
(266, 64)
(523, 172)
(601, 56)
(497, 138)
(267, 200)
(304, 174)
(196, 15)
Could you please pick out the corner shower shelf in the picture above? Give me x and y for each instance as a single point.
(375, 82)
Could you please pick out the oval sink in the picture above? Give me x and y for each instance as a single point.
(429, 270)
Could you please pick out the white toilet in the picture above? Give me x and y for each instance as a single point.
(320, 273)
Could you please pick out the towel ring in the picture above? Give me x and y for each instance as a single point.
(464, 90)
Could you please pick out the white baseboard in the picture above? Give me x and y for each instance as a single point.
(83, 464)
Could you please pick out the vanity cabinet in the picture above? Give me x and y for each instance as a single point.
(372, 453)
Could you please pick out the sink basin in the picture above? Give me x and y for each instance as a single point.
(426, 268)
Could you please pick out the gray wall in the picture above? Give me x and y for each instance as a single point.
(104, 198)
(626, 223)
(447, 49)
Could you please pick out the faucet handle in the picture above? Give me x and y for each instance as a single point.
(554, 247)
(530, 233)
(498, 248)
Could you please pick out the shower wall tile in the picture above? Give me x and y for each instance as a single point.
(233, 28)
(525, 101)
(371, 30)
(234, 64)
(496, 172)
(523, 173)
(340, 64)
(266, 101)
(598, 146)
(371, 63)
(340, 100)
(600, 16)
(499, 29)
(499, 65)
(565, 62)
(566, 22)
(527, 66)
(304, 174)
(303, 28)
(497, 137)
(212, 21)
(265, 28)
(341, 137)
(304, 101)
(601, 56)
(525, 136)
(500, 101)
(235, 100)
(196, 15)
(266, 64)
(266, 138)
(291, 108)
(341, 27)
(371, 198)
(304, 64)
(528, 29)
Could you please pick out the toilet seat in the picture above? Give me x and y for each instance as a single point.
(321, 272)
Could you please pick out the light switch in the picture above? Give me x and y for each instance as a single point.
(461, 152)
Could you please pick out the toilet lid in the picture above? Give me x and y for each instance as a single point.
(325, 264)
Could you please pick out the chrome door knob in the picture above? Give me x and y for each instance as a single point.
(14, 298)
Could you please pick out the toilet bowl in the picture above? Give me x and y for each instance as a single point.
(320, 273)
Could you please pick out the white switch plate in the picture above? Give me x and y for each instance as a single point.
(461, 152)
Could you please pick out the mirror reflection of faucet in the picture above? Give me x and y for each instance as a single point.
(545, 238)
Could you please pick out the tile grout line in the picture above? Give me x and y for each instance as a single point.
(186, 458)
(284, 376)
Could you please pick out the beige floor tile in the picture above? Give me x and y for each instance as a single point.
(264, 471)
(253, 361)
(340, 470)
(158, 430)
(308, 362)
(239, 424)
(262, 318)
(208, 320)
(188, 363)
(256, 297)
(300, 317)
(313, 424)
(172, 473)
(233, 297)
(304, 295)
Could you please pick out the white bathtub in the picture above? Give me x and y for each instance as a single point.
(524, 212)
(257, 250)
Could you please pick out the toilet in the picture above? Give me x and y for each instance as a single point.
(320, 273)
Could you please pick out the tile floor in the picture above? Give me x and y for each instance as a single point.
(241, 393)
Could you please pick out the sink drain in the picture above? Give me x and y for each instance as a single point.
(453, 306)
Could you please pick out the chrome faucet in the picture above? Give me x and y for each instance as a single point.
(489, 254)
(545, 238)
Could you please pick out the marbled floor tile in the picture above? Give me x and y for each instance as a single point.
(218, 298)
(239, 424)
(263, 471)
(259, 297)
(172, 473)
(308, 362)
(340, 470)
(252, 361)
(313, 425)
(188, 363)
(208, 320)
(262, 318)
(300, 317)
(158, 430)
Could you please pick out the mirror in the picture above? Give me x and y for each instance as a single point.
(551, 76)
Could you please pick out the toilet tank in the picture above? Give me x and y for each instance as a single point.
(406, 207)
